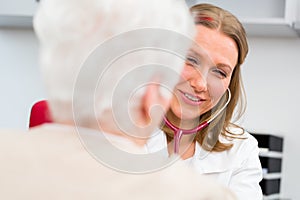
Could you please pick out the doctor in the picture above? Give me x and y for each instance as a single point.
(198, 125)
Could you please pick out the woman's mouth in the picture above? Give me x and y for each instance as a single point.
(191, 99)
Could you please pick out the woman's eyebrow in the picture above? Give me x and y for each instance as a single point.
(224, 66)
(195, 53)
(203, 57)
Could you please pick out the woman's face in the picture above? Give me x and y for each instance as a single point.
(206, 74)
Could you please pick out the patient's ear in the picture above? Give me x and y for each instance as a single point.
(154, 103)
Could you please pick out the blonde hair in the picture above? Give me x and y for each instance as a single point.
(219, 19)
(68, 30)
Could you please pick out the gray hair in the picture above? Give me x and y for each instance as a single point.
(69, 30)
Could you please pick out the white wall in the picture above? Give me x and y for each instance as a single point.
(20, 83)
(272, 81)
(271, 77)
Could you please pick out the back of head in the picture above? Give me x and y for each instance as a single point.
(71, 30)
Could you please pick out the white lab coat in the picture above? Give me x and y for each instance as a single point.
(238, 168)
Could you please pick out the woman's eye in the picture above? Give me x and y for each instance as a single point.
(220, 73)
(191, 61)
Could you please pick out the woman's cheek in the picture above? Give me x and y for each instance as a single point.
(187, 72)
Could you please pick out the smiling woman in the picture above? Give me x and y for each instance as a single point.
(211, 80)
(206, 75)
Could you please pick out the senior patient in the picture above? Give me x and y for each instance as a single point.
(109, 67)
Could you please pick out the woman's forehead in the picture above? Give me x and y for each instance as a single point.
(217, 46)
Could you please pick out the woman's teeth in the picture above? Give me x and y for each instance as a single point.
(192, 98)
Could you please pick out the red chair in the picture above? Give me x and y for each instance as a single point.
(39, 114)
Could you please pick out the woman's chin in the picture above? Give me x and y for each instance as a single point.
(188, 116)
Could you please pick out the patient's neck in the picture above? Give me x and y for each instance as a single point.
(109, 124)
(108, 128)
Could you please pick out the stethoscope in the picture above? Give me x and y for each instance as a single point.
(178, 132)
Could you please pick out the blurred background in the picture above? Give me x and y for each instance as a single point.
(271, 76)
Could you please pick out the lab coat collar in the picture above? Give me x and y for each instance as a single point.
(204, 161)
(211, 162)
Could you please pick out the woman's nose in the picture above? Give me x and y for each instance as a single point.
(198, 81)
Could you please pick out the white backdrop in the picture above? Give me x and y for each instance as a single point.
(20, 83)
(272, 80)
